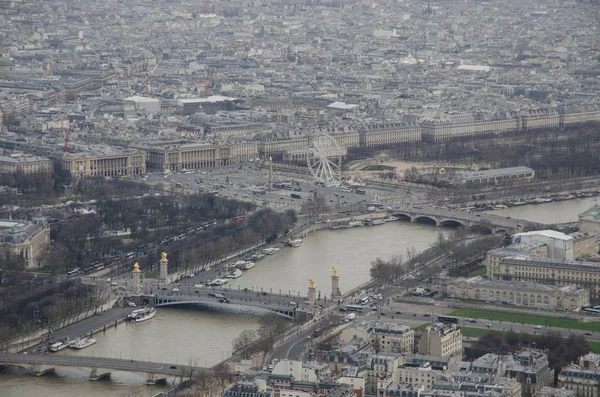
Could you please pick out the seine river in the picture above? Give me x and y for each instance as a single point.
(181, 335)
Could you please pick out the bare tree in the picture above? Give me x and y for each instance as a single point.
(222, 376)
(271, 329)
(188, 371)
(245, 343)
(316, 207)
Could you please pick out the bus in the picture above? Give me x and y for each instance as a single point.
(73, 272)
(448, 319)
(363, 300)
(354, 308)
(209, 224)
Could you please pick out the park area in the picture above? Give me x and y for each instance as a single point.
(546, 321)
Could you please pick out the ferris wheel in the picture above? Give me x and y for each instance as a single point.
(325, 160)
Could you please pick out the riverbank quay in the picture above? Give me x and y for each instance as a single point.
(82, 324)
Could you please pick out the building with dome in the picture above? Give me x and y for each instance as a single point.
(199, 118)
(24, 238)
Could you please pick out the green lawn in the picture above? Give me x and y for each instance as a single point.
(423, 326)
(378, 168)
(478, 332)
(469, 331)
(594, 346)
(478, 272)
(527, 319)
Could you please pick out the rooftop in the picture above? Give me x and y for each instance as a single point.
(494, 172)
(593, 212)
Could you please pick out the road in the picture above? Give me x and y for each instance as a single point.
(84, 327)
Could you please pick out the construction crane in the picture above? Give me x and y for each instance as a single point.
(206, 84)
(67, 139)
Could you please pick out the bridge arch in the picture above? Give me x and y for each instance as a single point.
(425, 219)
(450, 223)
(403, 217)
(481, 229)
(232, 307)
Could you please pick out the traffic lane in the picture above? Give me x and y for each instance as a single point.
(84, 327)
(293, 349)
(495, 325)
(241, 296)
(529, 329)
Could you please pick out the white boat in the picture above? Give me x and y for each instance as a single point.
(355, 224)
(235, 273)
(295, 242)
(83, 343)
(239, 264)
(140, 315)
(219, 281)
(58, 346)
(248, 265)
(271, 251)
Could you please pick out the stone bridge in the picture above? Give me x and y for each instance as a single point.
(481, 221)
(237, 301)
(99, 367)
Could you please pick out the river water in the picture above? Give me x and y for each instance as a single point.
(554, 212)
(179, 335)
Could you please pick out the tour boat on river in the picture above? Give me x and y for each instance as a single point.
(140, 315)
(83, 343)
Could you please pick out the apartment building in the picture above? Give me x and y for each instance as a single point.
(529, 367)
(444, 340)
(583, 378)
(384, 337)
(585, 245)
